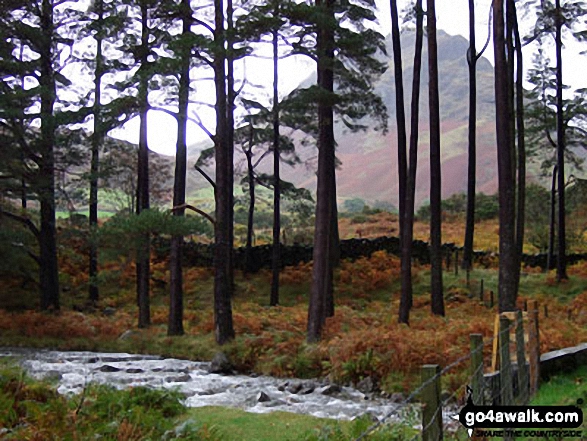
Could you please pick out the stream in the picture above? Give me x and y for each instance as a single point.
(259, 394)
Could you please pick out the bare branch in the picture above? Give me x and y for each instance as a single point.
(23, 220)
(206, 176)
(197, 210)
(488, 33)
(196, 120)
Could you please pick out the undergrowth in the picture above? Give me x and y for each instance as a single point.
(33, 410)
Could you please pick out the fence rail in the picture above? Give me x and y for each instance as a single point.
(505, 383)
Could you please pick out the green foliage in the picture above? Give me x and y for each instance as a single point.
(537, 216)
(486, 207)
(34, 410)
(129, 229)
(354, 205)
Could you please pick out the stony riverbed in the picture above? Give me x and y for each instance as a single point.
(72, 371)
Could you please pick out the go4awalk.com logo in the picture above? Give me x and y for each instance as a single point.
(517, 421)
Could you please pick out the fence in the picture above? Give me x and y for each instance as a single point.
(512, 378)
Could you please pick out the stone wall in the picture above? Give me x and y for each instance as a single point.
(198, 254)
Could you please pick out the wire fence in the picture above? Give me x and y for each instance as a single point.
(512, 377)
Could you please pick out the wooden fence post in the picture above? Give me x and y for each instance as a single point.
(431, 405)
(504, 362)
(477, 368)
(533, 345)
(523, 397)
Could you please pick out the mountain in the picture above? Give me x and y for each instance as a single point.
(369, 159)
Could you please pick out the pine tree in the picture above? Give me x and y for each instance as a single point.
(32, 116)
(343, 88)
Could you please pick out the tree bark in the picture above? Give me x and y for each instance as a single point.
(276, 252)
(223, 287)
(322, 267)
(144, 249)
(251, 214)
(521, 144)
(230, 97)
(507, 247)
(407, 232)
(437, 303)
(400, 112)
(97, 141)
(175, 323)
(472, 166)
(561, 266)
(49, 272)
(552, 223)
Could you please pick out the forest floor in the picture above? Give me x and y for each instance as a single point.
(362, 340)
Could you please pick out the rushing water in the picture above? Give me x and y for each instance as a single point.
(74, 370)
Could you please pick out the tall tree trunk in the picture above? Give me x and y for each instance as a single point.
(230, 97)
(437, 303)
(507, 246)
(521, 133)
(322, 267)
(175, 323)
(276, 253)
(561, 266)
(399, 113)
(472, 166)
(334, 240)
(97, 141)
(49, 272)
(251, 214)
(144, 249)
(407, 233)
(23, 184)
(552, 223)
(223, 286)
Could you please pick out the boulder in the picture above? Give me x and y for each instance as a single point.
(331, 389)
(294, 388)
(220, 364)
(262, 397)
(108, 368)
(366, 385)
(179, 379)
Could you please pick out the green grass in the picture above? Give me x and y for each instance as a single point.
(564, 390)
(102, 214)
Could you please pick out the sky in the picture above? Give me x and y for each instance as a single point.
(452, 17)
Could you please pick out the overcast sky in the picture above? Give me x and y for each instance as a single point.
(452, 17)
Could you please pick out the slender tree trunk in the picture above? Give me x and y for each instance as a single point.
(552, 223)
(276, 254)
(231, 96)
(507, 247)
(23, 184)
(49, 272)
(322, 267)
(521, 133)
(408, 230)
(175, 323)
(472, 166)
(97, 141)
(251, 214)
(223, 287)
(399, 113)
(561, 266)
(437, 304)
(144, 249)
